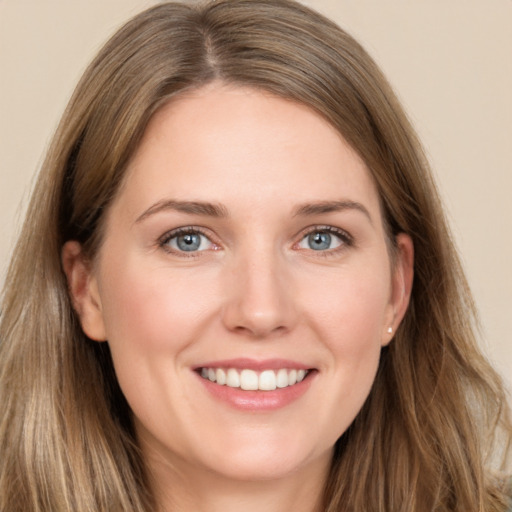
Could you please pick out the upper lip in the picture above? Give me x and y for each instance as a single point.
(254, 364)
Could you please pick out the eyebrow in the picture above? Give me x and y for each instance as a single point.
(331, 207)
(220, 211)
(190, 207)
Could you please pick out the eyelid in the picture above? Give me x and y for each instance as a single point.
(346, 238)
(163, 240)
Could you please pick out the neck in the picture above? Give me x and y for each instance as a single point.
(179, 489)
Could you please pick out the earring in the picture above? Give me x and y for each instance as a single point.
(390, 330)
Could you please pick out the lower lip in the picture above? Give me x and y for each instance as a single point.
(258, 400)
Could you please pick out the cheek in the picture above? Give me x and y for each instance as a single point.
(352, 334)
(152, 315)
(148, 307)
(352, 309)
(348, 317)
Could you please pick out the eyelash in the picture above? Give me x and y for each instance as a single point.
(164, 240)
(346, 239)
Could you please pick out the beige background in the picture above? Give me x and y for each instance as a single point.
(449, 60)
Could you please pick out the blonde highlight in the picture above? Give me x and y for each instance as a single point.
(435, 432)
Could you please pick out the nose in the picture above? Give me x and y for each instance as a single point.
(260, 300)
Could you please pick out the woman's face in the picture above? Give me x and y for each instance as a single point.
(246, 246)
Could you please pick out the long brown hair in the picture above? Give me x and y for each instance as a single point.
(435, 431)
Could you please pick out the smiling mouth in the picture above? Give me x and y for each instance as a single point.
(250, 380)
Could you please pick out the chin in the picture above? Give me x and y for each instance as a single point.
(264, 461)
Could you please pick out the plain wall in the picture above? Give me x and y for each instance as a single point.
(449, 61)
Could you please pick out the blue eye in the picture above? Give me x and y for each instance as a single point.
(187, 241)
(322, 240)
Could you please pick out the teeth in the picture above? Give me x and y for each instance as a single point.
(221, 377)
(283, 378)
(267, 380)
(233, 379)
(249, 380)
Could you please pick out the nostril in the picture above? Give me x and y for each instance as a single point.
(260, 330)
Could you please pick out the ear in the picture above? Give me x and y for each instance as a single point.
(83, 290)
(401, 285)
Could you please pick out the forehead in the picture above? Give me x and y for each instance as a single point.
(240, 143)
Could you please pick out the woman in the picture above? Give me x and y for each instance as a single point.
(212, 303)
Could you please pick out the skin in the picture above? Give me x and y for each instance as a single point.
(256, 289)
